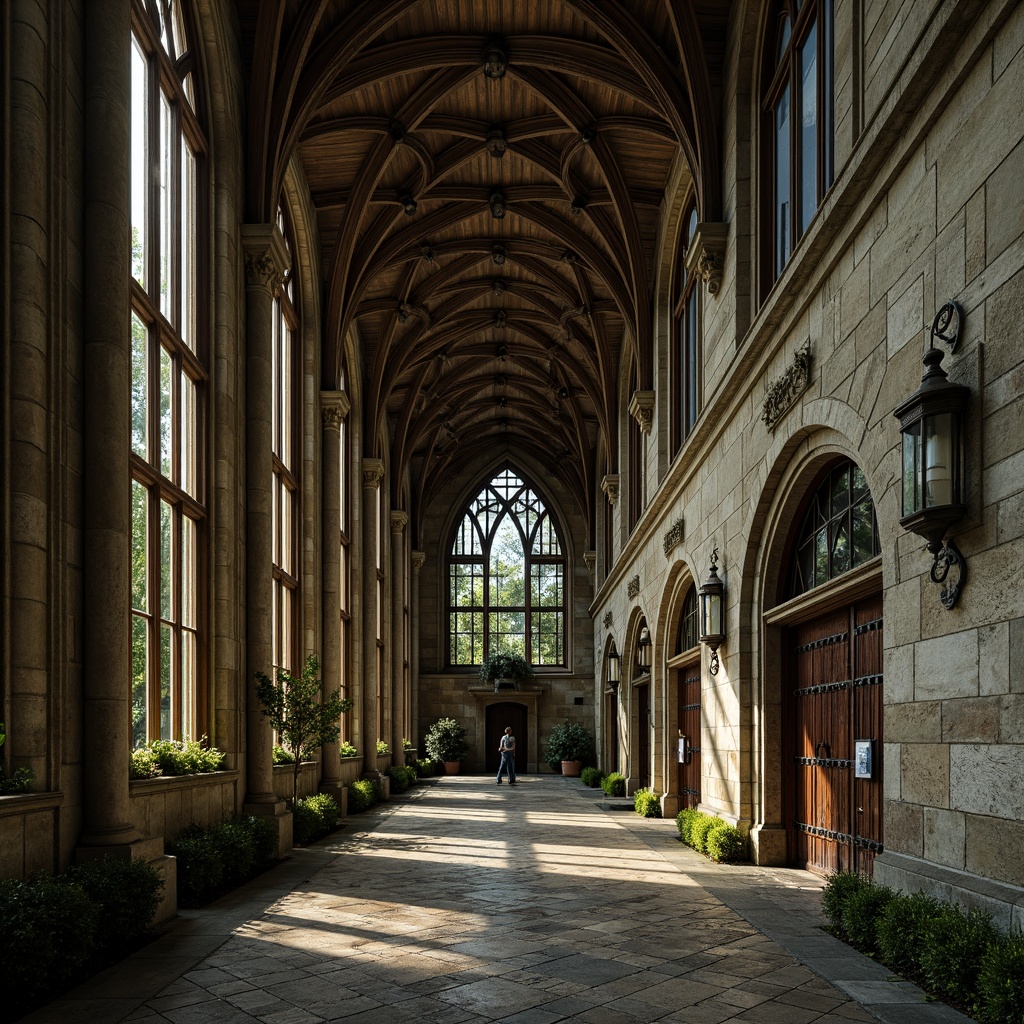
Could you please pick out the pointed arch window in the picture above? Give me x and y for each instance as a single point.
(838, 532)
(798, 122)
(687, 638)
(169, 236)
(684, 355)
(506, 577)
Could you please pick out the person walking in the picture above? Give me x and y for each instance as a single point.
(507, 749)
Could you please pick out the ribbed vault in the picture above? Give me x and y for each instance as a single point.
(488, 179)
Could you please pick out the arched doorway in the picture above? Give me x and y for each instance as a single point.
(498, 717)
(685, 668)
(831, 651)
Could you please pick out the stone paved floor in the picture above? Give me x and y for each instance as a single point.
(464, 902)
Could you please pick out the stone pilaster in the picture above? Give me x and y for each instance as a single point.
(266, 260)
(418, 559)
(373, 472)
(334, 407)
(399, 521)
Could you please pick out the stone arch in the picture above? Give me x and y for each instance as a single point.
(635, 708)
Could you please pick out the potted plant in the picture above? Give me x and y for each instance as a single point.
(505, 669)
(570, 745)
(446, 742)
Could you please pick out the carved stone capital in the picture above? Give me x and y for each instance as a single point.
(705, 258)
(418, 559)
(590, 559)
(633, 587)
(673, 536)
(782, 393)
(399, 521)
(334, 407)
(641, 408)
(266, 256)
(373, 473)
(610, 486)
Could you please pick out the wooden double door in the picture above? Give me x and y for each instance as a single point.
(688, 740)
(832, 749)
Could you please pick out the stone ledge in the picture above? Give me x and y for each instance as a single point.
(29, 803)
(169, 783)
(1003, 901)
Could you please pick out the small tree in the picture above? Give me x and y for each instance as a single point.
(303, 721)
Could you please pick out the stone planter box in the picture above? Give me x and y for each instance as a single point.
(309, 778)
(28, 824)
(163, 806)
(351, 769)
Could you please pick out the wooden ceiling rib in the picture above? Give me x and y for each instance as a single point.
(489, 180)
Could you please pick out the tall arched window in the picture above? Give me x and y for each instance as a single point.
(285, 432)
(506, 578)
(838, 531)
(169, 374)
(687, 637)
(798, 111)
(344, 581)
(684, 356)
(636, 459)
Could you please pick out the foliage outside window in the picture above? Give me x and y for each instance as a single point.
(168, 384)
(838, 532)
(684, 369)
(507, 578)
(799, 128)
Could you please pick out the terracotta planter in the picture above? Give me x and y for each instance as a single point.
(452, 767)
(571, 768)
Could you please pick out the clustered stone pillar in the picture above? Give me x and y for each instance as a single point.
(334, 407)
(399, 521)
(107, 416)
(266, 260)
(373, 472)
(418, 559)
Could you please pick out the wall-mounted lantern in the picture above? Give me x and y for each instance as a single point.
(643, 650)
(613, 667)
(932, 425)
(712, 621)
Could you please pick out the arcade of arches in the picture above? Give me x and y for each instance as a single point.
(406, 333)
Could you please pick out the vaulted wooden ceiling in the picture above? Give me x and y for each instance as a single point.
(488, 178)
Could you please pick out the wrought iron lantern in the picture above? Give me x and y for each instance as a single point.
(613, 667)
(932, 425)
(712, 619)
(643, 650)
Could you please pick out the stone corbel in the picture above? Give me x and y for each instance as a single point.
(334, 407)
(705, 257)
(418, 559)
(641, 408)
(266, 256)
(610, 486)
(590, 559)
(399, 521)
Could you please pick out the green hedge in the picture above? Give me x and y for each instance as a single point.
(646, 803)
(54, 929)
(614, 784)
(314, 817)
(954, 954)
(591, 777)
(424, 767)
(362, 795)
(711, 836)
(402, 776)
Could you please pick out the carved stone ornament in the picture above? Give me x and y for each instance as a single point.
(641, 408)
(705, 258)
(633, 587)
(399, 521)
(262, 271)
(673, 536)
(418, 559)
(783, 392)
(334, 407)
(590, 559)
(373, 472)
(610, 486)
(607, 620)
(266, 256)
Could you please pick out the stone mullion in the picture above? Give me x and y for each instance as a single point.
(373, 471)
(399, 520)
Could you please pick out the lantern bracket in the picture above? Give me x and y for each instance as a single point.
(947, 324)
(948, 558)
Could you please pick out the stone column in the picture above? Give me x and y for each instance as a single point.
(334, 407)
(418, 560)
(106, 401)
(373, 471)
(266, 259)
(399, 521)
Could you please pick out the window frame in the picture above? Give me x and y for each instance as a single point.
(686, 335)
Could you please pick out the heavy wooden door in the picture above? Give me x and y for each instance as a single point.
(612, 759)
(688, 695)
(499, 716)
(643, 725)
(833, 695)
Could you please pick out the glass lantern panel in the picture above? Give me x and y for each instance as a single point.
(911, 446)
(938, 460)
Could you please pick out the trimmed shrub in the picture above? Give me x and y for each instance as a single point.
(402, 777)
(1001, 981)
(424, 767)
(282, 756)
(685, 821)
(839, 887)
(143, 764)
(614, 784)
(362, 795)
(314, 817)
(200, 867)
(263, 833)
(901, 930)
(591, 777)
(128, 891)
(725, 843)
(953, 950)
(186, 757)
(232, 842)
(699, 832)
(646, 803)
(48, 935)
(861, 912)
(346, 749)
